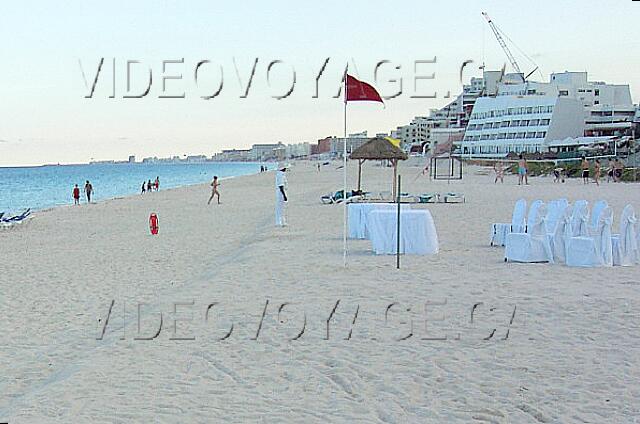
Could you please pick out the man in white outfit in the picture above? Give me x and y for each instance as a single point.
(281, 196)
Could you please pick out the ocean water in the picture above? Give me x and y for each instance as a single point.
(47, 186)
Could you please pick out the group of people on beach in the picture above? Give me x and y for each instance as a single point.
(88, 191)
(150, 186)
(614, 171)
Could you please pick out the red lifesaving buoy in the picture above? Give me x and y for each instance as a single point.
(153, 223)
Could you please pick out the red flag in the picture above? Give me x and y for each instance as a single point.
(361, 91)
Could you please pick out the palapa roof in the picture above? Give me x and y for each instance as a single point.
(378, 148)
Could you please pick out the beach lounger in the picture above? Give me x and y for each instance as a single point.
(453, 198)
(338, 197)
(16, 219)
(429, 198)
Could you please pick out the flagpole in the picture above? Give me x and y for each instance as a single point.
(344, 172)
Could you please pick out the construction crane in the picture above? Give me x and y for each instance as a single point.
(504, 46)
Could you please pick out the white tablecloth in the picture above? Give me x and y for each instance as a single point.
(358, 213)
(417, 232)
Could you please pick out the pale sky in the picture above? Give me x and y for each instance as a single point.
(45, 117)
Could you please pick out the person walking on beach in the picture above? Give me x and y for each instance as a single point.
(149, 186)
(76, 195)
(214, 190)
(157, 183)
(499, 170)
(618, 169)
(281, 195)
(88, 189)
(610, 171)
(144, 185)
(522, 170)
(585, 170)
(597, 171)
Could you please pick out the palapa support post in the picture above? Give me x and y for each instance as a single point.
(394, 162)
(360, 162)
(398, 228)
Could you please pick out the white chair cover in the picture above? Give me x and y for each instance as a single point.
(555, 211)
(499, 231)
(533, 215)
(560, 236)
(532, 246)
(597, 209)
(594, 249)
(580, 219)
(625, 244)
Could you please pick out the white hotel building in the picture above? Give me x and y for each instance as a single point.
(526, 116)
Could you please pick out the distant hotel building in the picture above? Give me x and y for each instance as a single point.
(527, 116)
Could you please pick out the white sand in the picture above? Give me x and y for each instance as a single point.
(572, 354)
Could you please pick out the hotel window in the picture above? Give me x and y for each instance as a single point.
(596, 92)
(597, 102)
(529, 92)
(485, 137)
(493, 137)
(529, 110)
(522, 110)
(524, 123)
(504, 124)
(544, 122)
(534, 122)
(511, 135)
(514, 123)
(549, 109)
(502, 136)
(531, 135)
(563, 93)
(520, 135)
(541, 134)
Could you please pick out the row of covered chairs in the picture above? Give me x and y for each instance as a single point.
(559, 233)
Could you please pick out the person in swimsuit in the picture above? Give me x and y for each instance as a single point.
(144, 187)
(88, 189)
(157, 183)
(76, 195)
(522, 170)
(149, 186)
(597, 171)
(618, 169)
(498, 168)
(214, 190)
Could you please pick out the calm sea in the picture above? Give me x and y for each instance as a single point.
(46, 186)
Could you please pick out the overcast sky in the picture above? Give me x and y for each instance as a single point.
(51, 50)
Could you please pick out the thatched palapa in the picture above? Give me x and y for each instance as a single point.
(379, 148)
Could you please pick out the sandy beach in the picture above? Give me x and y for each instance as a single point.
(279, 331)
